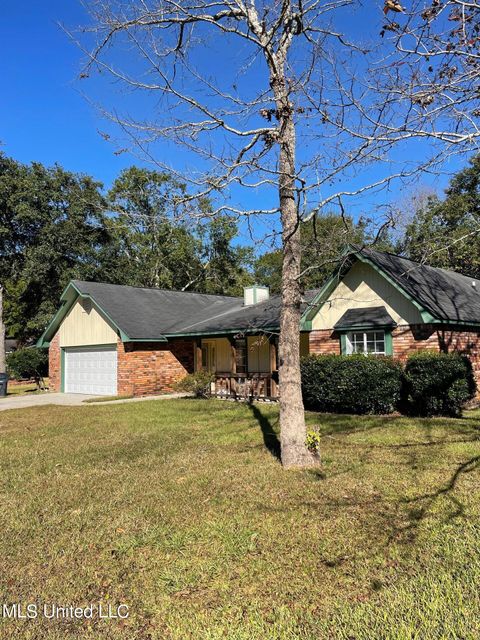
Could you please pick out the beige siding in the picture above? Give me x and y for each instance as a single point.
(363, 286)
(223, 355)
(258, 348)
(84, 325)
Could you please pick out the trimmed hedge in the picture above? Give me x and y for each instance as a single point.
(437, 384)
(351, 384)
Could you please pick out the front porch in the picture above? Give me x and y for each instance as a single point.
(246, 367)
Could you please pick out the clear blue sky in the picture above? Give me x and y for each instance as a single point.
(43, 115)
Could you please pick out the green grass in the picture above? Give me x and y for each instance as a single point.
(178, 509)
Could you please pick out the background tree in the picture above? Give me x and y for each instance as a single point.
(150, 228)
(446, 232)
(52, 229)
(323, 238)
(226, 267)
(163, 244)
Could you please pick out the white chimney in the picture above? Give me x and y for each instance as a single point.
(255, 293)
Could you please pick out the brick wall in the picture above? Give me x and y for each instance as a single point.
(54, 364)
(410, 338)
(324, 341)
(146, 368)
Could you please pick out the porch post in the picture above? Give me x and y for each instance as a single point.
(273, 364)
(233, 367)
(198, 355)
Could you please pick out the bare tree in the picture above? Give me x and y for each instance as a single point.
(279, 97)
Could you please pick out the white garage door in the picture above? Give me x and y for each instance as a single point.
(91, 370)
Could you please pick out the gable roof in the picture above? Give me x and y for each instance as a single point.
(142, 314)
(448, 296)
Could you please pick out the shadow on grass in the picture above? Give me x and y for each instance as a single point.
(270, 437)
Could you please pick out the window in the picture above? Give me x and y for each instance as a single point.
(367, 342)
(241, 355)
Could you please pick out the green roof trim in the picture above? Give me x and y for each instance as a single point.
(69, 297)
(226, 332)
(426, 315)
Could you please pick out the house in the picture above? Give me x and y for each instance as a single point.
(109, 339)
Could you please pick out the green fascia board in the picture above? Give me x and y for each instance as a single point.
(212, 334)
(127, 339)
(318, 300)
(69, 296)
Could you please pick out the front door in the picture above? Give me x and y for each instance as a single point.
(209, 362)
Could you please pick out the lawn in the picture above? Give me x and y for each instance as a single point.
(178, 509)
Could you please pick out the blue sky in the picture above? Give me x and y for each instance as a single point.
(43, 115)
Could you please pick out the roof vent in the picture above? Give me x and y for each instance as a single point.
(255, 293)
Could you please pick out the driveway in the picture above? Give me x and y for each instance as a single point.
(72, 399)
(39, 399)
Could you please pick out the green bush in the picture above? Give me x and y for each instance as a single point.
(351, 384)
(198, 383)
(437, 384)
(28, 363)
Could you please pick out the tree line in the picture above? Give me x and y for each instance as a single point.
(56, 225)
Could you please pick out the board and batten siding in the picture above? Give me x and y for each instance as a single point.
(84, 326)
(258, 356)
(361, 287)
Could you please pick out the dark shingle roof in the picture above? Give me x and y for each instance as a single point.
(366, 316)
(446, 294)
(155, 313)
(152, 313)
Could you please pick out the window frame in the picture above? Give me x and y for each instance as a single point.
(345, 340)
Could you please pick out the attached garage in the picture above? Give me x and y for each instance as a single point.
(91, 370)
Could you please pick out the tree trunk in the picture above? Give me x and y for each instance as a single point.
(3, 366)
(293, 433)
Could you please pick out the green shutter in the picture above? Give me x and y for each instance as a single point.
(343, 344)
(388, 343)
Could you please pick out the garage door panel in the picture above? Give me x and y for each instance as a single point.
(91, 370)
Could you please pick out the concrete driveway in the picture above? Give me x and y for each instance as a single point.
(73, 400)
(39, 399)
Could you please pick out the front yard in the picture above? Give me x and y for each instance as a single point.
(177, 509)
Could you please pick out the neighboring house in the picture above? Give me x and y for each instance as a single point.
(109, 339)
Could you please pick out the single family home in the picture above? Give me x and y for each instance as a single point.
(119, 340)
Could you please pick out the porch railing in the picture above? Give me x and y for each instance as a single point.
(243, 386)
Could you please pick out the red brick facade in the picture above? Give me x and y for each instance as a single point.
(146, 368)
(324, 342)
(54, 365)
(410, 338)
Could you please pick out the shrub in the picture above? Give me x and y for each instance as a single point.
(351, 384)
(198, 383)
(437, 384)
(28, 362)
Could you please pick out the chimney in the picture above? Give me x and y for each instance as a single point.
(255, 293)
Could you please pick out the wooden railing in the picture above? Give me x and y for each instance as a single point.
(245, 386)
